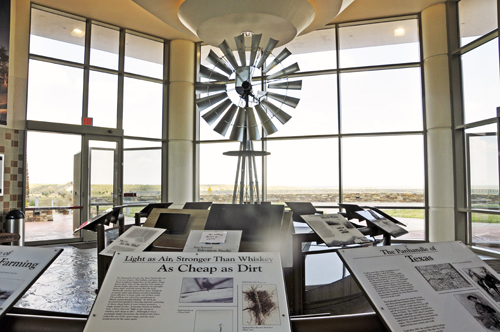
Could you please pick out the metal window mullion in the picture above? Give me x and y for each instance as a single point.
(339, 117)
(121, 79)
(424, 132)
(165, 121)
(86, 70)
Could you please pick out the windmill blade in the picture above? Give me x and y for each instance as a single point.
(287, 71)
(269, 127)
(294, 85)
(217, 62)
(208, 101)
(212, 75)
(287, 100)
(269, 48)
(211, 116)
(208, 87)
(282, 116)
(226, 120)
(254, 48)
(228, 53)
(239, 126)
(282, 56)
(253, 128)
(240, 46)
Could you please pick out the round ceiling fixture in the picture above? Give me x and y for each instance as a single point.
(212, 21)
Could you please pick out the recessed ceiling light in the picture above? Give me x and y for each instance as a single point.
(78, 33)
(399, 32)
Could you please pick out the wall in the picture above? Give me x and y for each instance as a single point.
(12, 146)
(12, 136)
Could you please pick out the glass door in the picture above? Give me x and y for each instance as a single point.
(103, 174)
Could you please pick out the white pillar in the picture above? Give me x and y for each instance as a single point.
(439, 124)
(181, 122)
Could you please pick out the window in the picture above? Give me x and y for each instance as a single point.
(379, 44)
(119, 87)
(57, 36)
(55, 93)
(481, 85)
(477, 18)
(356, 134)
(49, 185)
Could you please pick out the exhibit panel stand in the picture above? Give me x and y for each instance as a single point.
(20, 267)
(192, 292)
(440, 286)
(42, 322)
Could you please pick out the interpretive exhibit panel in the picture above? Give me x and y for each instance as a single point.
(430, 287)
(135, 239)
(213, 241)
(381, 222)
(198, 292)
(20, 267)
(335, 230)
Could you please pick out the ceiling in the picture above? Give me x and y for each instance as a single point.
(128, 14)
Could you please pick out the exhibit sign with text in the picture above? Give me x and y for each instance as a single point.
(440, 286)
(135, 239)
(197, 292)
(20, 267)
(335, 230)
(213, 241)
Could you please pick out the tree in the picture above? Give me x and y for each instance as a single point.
(4, 65)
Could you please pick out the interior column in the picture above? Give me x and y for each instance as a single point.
(439, 124)
(180, 122)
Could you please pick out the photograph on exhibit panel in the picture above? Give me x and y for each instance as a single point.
(7, 288)
(482, 310)
(260, 305)
(206, 290)
(485, 280)
(443, 277)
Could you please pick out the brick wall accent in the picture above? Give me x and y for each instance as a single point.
(12, 147)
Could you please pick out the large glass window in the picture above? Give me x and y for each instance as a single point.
(391, 101)
(481, 83)
(375, 115)
(103, 96)
(68, 83)
(57, 36)
(218, 172)
(52, 160)
(481, 91)
(55, 93)
(477, 17)
(143, 56)
(142, 110)
(384, 170)
(312, 51)
(379, 44)
(303, 170)
(316, 113)
(142, 167)
(104, 47)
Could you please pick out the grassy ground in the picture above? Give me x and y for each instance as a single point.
(419, 214)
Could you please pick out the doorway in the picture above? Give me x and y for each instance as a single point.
(101, 187)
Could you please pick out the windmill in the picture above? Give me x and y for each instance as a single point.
(256, 105)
